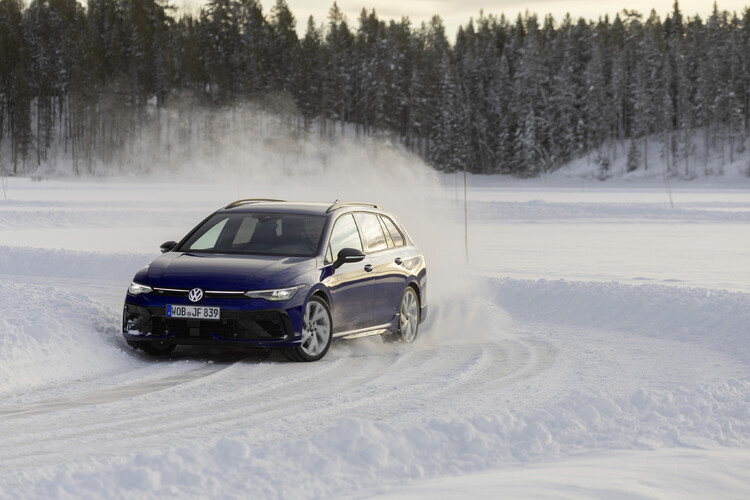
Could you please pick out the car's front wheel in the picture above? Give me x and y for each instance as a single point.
(317, 332)
(408, 318)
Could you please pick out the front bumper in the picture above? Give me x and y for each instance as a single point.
(253, 328)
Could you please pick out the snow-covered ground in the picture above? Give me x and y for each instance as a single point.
(597, 345)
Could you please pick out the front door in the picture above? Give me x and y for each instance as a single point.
(350, 285)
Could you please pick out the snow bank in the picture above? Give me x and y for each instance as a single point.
(660, 474)
(356, 454)
(51, 335)
(717, 319)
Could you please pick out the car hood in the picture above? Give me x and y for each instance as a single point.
(226, 272)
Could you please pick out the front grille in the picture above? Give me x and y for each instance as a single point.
(171, 292)
(234, 325)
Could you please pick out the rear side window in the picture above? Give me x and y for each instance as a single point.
(398, 238)
(371, 230)
(388, 238)
(344, 235)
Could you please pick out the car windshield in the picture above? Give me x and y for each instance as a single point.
(257, 233)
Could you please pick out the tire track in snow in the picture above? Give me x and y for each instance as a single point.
(162, 412)
(110, 417)
(105, 396)
(276, 399)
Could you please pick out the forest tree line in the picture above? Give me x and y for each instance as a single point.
(507, 96)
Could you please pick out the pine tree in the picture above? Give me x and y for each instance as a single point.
(284, 48)
(309, 92)
(338, 95)
(371, 73)
(435, 59)
(15, 95)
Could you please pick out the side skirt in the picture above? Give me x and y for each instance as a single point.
(363, 332)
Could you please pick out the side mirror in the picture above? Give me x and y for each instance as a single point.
(348, 255)
(167, 246)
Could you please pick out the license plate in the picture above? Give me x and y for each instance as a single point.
(193, 312)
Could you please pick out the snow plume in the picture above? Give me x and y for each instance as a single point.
(262, 149)
(264, 144)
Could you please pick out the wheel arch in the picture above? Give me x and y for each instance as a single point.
(418, 284)
(322, 293)
(417, 289)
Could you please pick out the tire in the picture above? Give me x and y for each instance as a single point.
(155, 348)
(408, 319)
(317, 332)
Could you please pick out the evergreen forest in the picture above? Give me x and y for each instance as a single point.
(513, 96)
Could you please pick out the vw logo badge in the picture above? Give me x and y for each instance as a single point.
(195, 295)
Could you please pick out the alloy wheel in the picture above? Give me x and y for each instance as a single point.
(316, 331)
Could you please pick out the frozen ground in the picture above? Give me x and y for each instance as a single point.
(596, 346)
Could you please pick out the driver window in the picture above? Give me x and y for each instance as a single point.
(344, 235)
(245, 231)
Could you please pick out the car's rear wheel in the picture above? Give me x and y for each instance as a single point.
(155, 348)
(408, 318)
(317, 332)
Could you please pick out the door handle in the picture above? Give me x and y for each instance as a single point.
(398, 261)
(368, 268)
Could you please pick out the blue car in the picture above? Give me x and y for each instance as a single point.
(272, 274)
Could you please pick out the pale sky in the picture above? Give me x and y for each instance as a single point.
(456, 13)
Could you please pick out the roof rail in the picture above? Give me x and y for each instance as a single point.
(338, 204)
(249, 200)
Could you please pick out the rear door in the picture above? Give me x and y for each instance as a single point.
(389, 278)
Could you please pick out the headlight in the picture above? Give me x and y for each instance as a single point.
(277, 295)
(137, 289)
